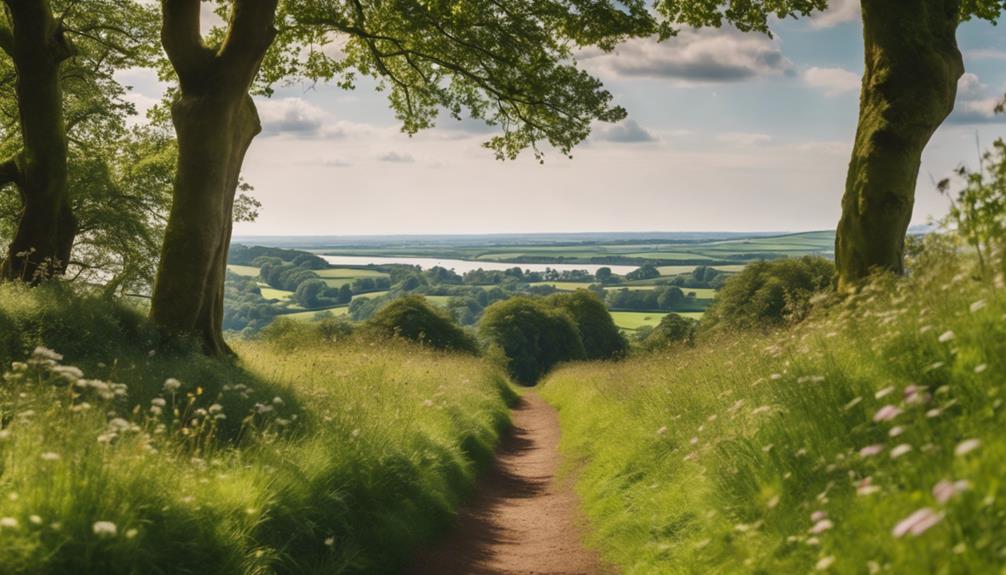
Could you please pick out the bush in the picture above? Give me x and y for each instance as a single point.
(673, 328)
(413, 318)
(768, 294)
(532, 336)
(601, 338)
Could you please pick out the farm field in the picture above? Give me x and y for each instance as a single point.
(273, 293)
(312, 315)
(614, 249)
(247, 271)
(633, 320)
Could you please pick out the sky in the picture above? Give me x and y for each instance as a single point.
(726, 132)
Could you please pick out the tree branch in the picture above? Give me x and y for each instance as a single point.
(249, 35)
(7, 39)
(182, 39)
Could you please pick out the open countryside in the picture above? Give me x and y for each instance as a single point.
(502, 287)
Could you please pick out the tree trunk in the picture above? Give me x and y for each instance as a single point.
(909, 87)
(215, 121)
(46, 229)
(214, 133)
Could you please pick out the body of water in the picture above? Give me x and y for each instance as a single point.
(462, 266)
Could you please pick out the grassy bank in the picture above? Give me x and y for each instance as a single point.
(867, 440)
(305, 456)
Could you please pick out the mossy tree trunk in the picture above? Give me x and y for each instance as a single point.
(36, 44)
(909, 87)
(215, 121)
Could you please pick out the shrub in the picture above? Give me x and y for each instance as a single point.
(413, 318)
(532, 336)
(768, 294)
(598, 332)
(673, 328)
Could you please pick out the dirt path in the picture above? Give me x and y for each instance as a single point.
(522, 520)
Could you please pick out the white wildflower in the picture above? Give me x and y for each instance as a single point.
(8, 523)
(662, 430)
(980, 368)
(967, 446)
(946, 336)
(871, 450)
(977, 306)
(821, 526)
(900, 450)
(917, 523)
(45, 354)
(158, 401)
(104, 529)
(825, 563)
(887, 413)
(172, 385)
(945, 490)
(50, 456)
(884, 392)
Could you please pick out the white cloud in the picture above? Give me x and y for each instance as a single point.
(627, 132)
(832, 81)
(744, 138)
(292, 116)
(986, 54)
(976, 102)
(397, 158)
(701, 56)
(838, 12)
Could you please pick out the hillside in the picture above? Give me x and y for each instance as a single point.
(866, 440)
(306, 456)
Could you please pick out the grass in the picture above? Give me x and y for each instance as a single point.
(247, 271)
(812, 449)
(313, 315)
(350, 273)
(273, 293)
(306, 456)
(633, 320)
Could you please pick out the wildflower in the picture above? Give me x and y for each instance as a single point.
(428, 403)
(887, 413)
(946, 336)
(329, 541)
(261, 408)
(821, 526)
(775, 376)
(355, 433)
(216, 408)
(158, 401)
(935, 412)
(825, 562)
(853, 403)
(50, 456)
(980, 368)
(871, 450)
(896, 431)
(34, 520)
(946, 490)
(761, 409)
(693, 441)
(155, 410)
(8, 523)
(900, 450)
(104, 529)
(662, 430)
(967, 446)
(4, 434)
(132, 533)
(772, 503)
(884, 392)
(277, 401)
(917, 523)
(172, 385)
(68, 372)
(45, 354)
(977, 306)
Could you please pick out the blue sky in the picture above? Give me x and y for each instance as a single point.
(726, 131)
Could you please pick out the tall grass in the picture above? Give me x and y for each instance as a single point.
(869, 439)
(307, 458)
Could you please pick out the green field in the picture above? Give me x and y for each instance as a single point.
(273, 293)
(312, 315)
(247, 271)
(731, 252)
(351, 273)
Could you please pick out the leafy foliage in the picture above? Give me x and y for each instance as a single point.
(601, 338)
(509, 63)
(673, 328)
(768, 294)
(978, 209)
(414, 319)
(532, 336)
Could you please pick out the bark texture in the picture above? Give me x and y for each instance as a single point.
(215, 121)
(909, 87)
(46, 229)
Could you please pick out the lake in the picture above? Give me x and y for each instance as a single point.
(462, 266)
